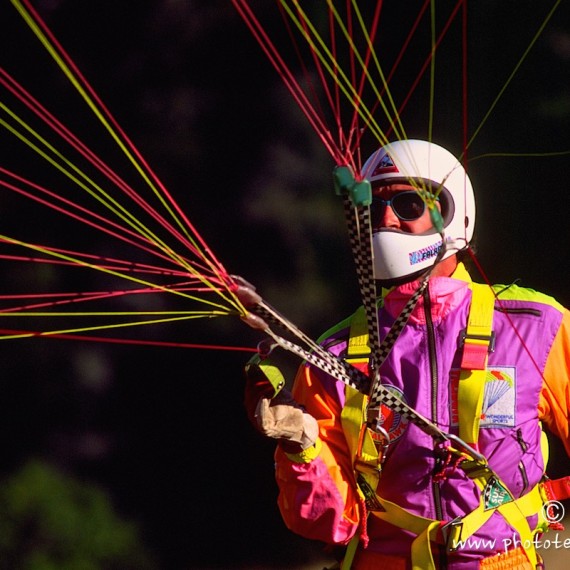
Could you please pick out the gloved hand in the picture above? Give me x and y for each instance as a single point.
(272, 410)
(283, 418)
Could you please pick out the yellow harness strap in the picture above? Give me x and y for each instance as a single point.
(476, 344)
(478, 334)
(361, 445)
(358, 349)
(457, 532)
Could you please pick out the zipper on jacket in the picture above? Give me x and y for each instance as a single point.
(431, 353)
(519, 311)
(522, 468)
(434, 413)
(434, 383)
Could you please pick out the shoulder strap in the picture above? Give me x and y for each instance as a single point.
(358, 349)
(478, 341)
(478, 338)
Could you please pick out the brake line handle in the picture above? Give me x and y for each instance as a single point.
(249, 298)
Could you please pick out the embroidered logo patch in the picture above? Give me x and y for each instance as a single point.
(394, 423)
(495, 494)
(499, 397)
(385, 166)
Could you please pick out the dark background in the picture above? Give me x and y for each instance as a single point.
(162, 430)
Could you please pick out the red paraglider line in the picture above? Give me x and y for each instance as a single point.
(288, 78)
(29, 101)
(101, 339)
(142, 161)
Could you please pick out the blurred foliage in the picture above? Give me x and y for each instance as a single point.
(49, 521)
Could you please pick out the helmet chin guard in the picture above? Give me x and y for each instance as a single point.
(399, 254)
(421, 252)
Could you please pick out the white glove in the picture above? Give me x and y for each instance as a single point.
(283, 418)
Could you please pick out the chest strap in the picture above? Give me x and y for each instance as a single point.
(453, 534)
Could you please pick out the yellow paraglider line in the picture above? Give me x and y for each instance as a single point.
(76, 330)
(128, 277)
(325, 56)
(511, 77)
(49, 46)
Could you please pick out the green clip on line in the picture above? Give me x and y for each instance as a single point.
(436, 218)
(360, 192)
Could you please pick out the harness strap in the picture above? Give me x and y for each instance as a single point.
(476, 345)
(478, 335)
(470, 404)
(358, 349)
(451, 533)
(456, 532)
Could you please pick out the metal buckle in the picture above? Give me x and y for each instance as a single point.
(450, 532)
(463, 336)
(375, 426)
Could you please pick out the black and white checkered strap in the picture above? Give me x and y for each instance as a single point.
(315, 354)
(359, 226)
(360, 236)
(390, 339)
(351, 376)
(343, 371)
(356, 379)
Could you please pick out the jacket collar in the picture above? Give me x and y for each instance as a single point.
(446, 293)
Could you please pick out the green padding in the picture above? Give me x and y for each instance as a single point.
(259, 370)
(516, 293)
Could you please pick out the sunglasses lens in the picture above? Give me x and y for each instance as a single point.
(408, 206)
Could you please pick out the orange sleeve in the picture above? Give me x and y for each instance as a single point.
(554, 403)
(325, 406)
(319, 499)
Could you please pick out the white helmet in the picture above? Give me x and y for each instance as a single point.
(423, 164)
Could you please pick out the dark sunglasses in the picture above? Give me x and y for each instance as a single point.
(408, 206)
